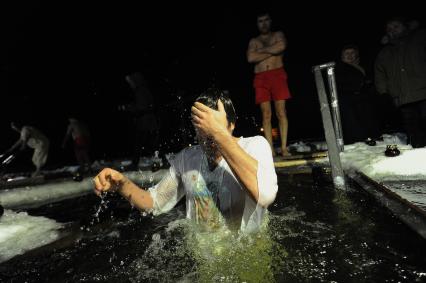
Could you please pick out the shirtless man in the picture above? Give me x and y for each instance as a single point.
(33, 138)
(81, 137)
(270, 81)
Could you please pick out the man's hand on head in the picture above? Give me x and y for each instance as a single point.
(209, 121)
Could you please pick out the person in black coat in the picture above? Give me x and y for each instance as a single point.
(355, 98)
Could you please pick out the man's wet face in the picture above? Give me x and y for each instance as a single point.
(264, 24)
(206, 142)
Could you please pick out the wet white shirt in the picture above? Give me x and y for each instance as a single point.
(217, 198)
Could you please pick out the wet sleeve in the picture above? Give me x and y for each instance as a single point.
(169, 191)
(267, 185)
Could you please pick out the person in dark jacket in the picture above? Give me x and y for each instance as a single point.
(357, 115)
(400, 71)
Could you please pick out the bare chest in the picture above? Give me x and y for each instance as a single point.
(266, 41)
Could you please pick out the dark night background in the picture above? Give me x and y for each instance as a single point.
(60, 59)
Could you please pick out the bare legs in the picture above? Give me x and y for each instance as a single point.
(281, 114)
(265, 107)
(283, 125)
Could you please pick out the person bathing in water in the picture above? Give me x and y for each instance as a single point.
(227, 180)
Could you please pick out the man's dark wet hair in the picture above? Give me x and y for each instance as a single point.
(210, 98)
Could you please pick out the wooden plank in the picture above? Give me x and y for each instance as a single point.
(407, 212)
(411, 190)
(294, 170)
(304, 155)
(299, 162)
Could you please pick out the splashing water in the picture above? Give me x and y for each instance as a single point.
(313, 235)
(183, 253)
(103, 205)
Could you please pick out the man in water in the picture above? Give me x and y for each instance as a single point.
(33, 138)
(227, 180)
(270, 81)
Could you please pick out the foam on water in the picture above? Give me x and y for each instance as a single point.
(183, 253)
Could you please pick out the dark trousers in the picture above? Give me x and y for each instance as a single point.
(414, 122)
(358, 119)
(82, 155)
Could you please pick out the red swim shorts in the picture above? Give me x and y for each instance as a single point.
(81, 142)
(271, 85)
